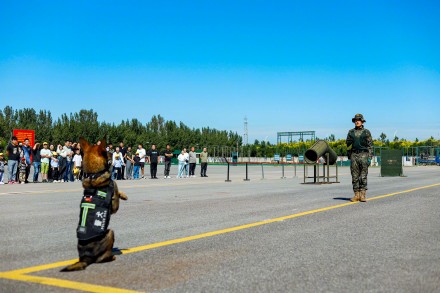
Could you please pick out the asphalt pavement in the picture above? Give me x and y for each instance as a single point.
(208, 235)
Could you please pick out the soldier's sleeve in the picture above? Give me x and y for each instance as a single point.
(370, 143)
(349, 140)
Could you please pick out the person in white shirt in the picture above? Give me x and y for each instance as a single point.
(117, 165)
(181, 160)
(77, 162)
(45, 154)
(185, 153)
(116, 152)
(142, 154)
(66, 162)
(55, 167)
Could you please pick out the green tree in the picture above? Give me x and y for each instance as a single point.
(382, 137)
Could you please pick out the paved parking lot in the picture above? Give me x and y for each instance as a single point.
(206, 235)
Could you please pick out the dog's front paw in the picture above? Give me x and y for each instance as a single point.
(122, 196)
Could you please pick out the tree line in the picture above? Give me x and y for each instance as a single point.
(132, 132)
(296, 148)
(161, 132)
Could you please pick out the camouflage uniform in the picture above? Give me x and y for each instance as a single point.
(362, 150)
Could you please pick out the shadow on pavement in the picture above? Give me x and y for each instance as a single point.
(117, 251)
(342, 198)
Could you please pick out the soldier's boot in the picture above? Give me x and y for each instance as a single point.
(363, 197)
(356, 197)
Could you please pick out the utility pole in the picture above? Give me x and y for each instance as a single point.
(246, 137)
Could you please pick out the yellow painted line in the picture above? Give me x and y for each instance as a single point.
(229, 230)
(63, 283)
(20, 274)
(247, 226)
(404, 191)
(43, 267)
(218, 232)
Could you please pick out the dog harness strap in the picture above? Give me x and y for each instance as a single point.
(95, 210)
(95, 175)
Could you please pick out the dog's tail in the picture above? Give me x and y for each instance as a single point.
(78, 266)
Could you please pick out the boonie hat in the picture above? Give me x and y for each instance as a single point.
(54, 154)
(1, 154)
(45, 143)
(358, 117)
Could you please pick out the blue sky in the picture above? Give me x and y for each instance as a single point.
(286, 65)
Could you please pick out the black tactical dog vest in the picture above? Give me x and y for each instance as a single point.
(95, 210)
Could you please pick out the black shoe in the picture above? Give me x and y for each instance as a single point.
(205, 175)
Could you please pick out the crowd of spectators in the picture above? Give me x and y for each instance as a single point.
(63, 163)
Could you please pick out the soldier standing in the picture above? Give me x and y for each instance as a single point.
(361, 143)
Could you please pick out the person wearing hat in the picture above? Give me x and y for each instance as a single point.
(45, 154)
(54, 167)
(360, 145)
(136, 165)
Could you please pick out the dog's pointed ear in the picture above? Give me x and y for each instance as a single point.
(84, 143)
(103, 144)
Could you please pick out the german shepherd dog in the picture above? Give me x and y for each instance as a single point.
(98, 187)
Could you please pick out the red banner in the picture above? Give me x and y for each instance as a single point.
(21, 134)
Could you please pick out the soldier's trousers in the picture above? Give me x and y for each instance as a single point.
(359, 171)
